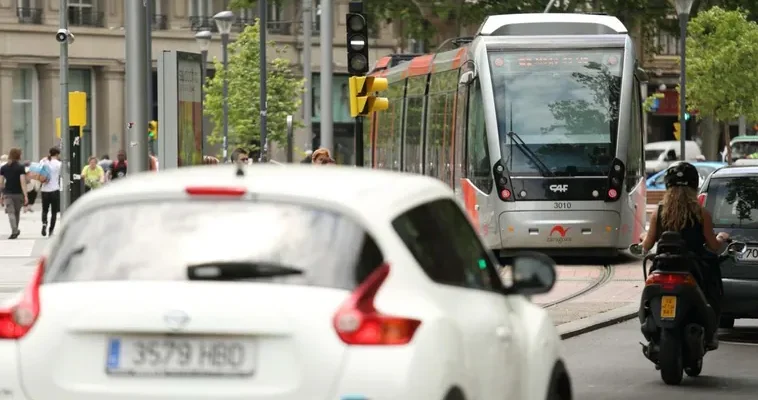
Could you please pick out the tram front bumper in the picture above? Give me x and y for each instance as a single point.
(581, 229)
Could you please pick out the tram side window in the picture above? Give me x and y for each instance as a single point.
(634, 145)
(460, 134)
(389, 129)
(477, 153)
(414, 121)
(439, 124)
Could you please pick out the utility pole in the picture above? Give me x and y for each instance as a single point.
(136, 84)
(65, 134)
(149, 13)
(262, 11)
(307, 71)
(327, 36)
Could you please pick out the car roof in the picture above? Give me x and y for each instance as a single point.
(664, 144)
(736, 170)
(361, 190)
(745, 138)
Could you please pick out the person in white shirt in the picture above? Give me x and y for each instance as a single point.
(51, 190)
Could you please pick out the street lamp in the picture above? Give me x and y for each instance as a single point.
(203, 39)
(683, 8)
(224, 21)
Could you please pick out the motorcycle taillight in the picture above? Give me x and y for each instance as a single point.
(669, 281)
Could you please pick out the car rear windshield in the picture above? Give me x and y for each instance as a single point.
(160, 240)
(733, 201)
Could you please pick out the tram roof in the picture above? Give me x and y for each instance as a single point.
(559, 23)
(425, 64)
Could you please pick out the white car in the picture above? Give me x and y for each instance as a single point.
(295, 282)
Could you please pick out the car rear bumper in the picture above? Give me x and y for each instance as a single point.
(740, 297)
(10, 380)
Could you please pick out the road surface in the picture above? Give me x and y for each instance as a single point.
(608, 365)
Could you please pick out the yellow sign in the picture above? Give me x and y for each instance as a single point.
(677, 130)
(668, 307)
(77, 112)
(362, 99)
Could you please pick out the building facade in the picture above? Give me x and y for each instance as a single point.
(29, 63)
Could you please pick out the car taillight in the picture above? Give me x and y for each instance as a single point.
(358, 322)
(670, 281)
(215, 191)
(17, 319)
(701, 198)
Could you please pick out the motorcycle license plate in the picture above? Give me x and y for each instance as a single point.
(668, 307)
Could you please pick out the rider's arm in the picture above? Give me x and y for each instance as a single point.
(713, 243)
(649, 241)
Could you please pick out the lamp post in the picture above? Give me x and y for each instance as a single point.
(203, 39)
(683, 8)
(224, 21)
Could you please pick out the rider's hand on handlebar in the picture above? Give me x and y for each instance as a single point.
(642, 237)
(722, 236)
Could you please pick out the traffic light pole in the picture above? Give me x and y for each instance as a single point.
(682, 88)
(359, 141)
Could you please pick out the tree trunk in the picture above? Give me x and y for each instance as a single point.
(710, 132)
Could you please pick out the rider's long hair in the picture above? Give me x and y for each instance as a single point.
(680, 209)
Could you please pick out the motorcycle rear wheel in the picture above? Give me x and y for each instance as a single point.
(670, 358)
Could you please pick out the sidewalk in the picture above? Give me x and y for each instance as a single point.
(617, 297)
(18, 257)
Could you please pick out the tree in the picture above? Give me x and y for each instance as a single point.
(722, 54)
(284, 91)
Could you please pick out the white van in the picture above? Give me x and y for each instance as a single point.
(659, 155)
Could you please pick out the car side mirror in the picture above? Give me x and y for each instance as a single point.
(636, 249)
(736, 248)
(533, 273)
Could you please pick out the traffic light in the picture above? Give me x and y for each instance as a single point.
(357, 40)
(677, 130)
(152, 130)
(362, 95)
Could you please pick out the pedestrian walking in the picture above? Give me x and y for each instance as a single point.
(51, 190)
(119, 167)
(322, 156)
(36, 174)
(93, 175)
(105, 163)
(13, 183)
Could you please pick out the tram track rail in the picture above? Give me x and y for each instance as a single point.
(605, 277)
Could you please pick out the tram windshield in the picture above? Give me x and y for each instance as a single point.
(563, 106)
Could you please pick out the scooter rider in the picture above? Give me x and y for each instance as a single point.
(680, 212)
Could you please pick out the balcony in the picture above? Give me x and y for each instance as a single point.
(198, 24)
(160, 22)
(85, 17)
(29, 15)
(274, 27)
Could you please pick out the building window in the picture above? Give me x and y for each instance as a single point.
(316, 15)
(666, 44)
(23, 111)
(28, 12)
(200, 16)
(84, 13)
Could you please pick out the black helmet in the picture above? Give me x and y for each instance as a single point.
(682, 174)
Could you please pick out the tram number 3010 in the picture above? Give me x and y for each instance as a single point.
(562, 205)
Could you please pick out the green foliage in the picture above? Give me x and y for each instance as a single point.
(722, 52)
(647, 105)
(284, 91)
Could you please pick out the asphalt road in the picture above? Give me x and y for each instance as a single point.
(608, 365)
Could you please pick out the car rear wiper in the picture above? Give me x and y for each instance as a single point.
(529, 153)
(237, 270)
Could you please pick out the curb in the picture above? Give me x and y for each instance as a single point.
(599, 321)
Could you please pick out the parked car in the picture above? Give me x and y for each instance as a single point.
(289, 282)
(731, 196)
(704, 168)
(659, 155)
(742, 146)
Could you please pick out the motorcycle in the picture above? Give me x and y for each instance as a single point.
(674, 314)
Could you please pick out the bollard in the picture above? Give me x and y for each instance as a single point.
(289, 139)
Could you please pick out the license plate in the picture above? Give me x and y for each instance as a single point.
(668, 307)
(173, 356)
(750, 255)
